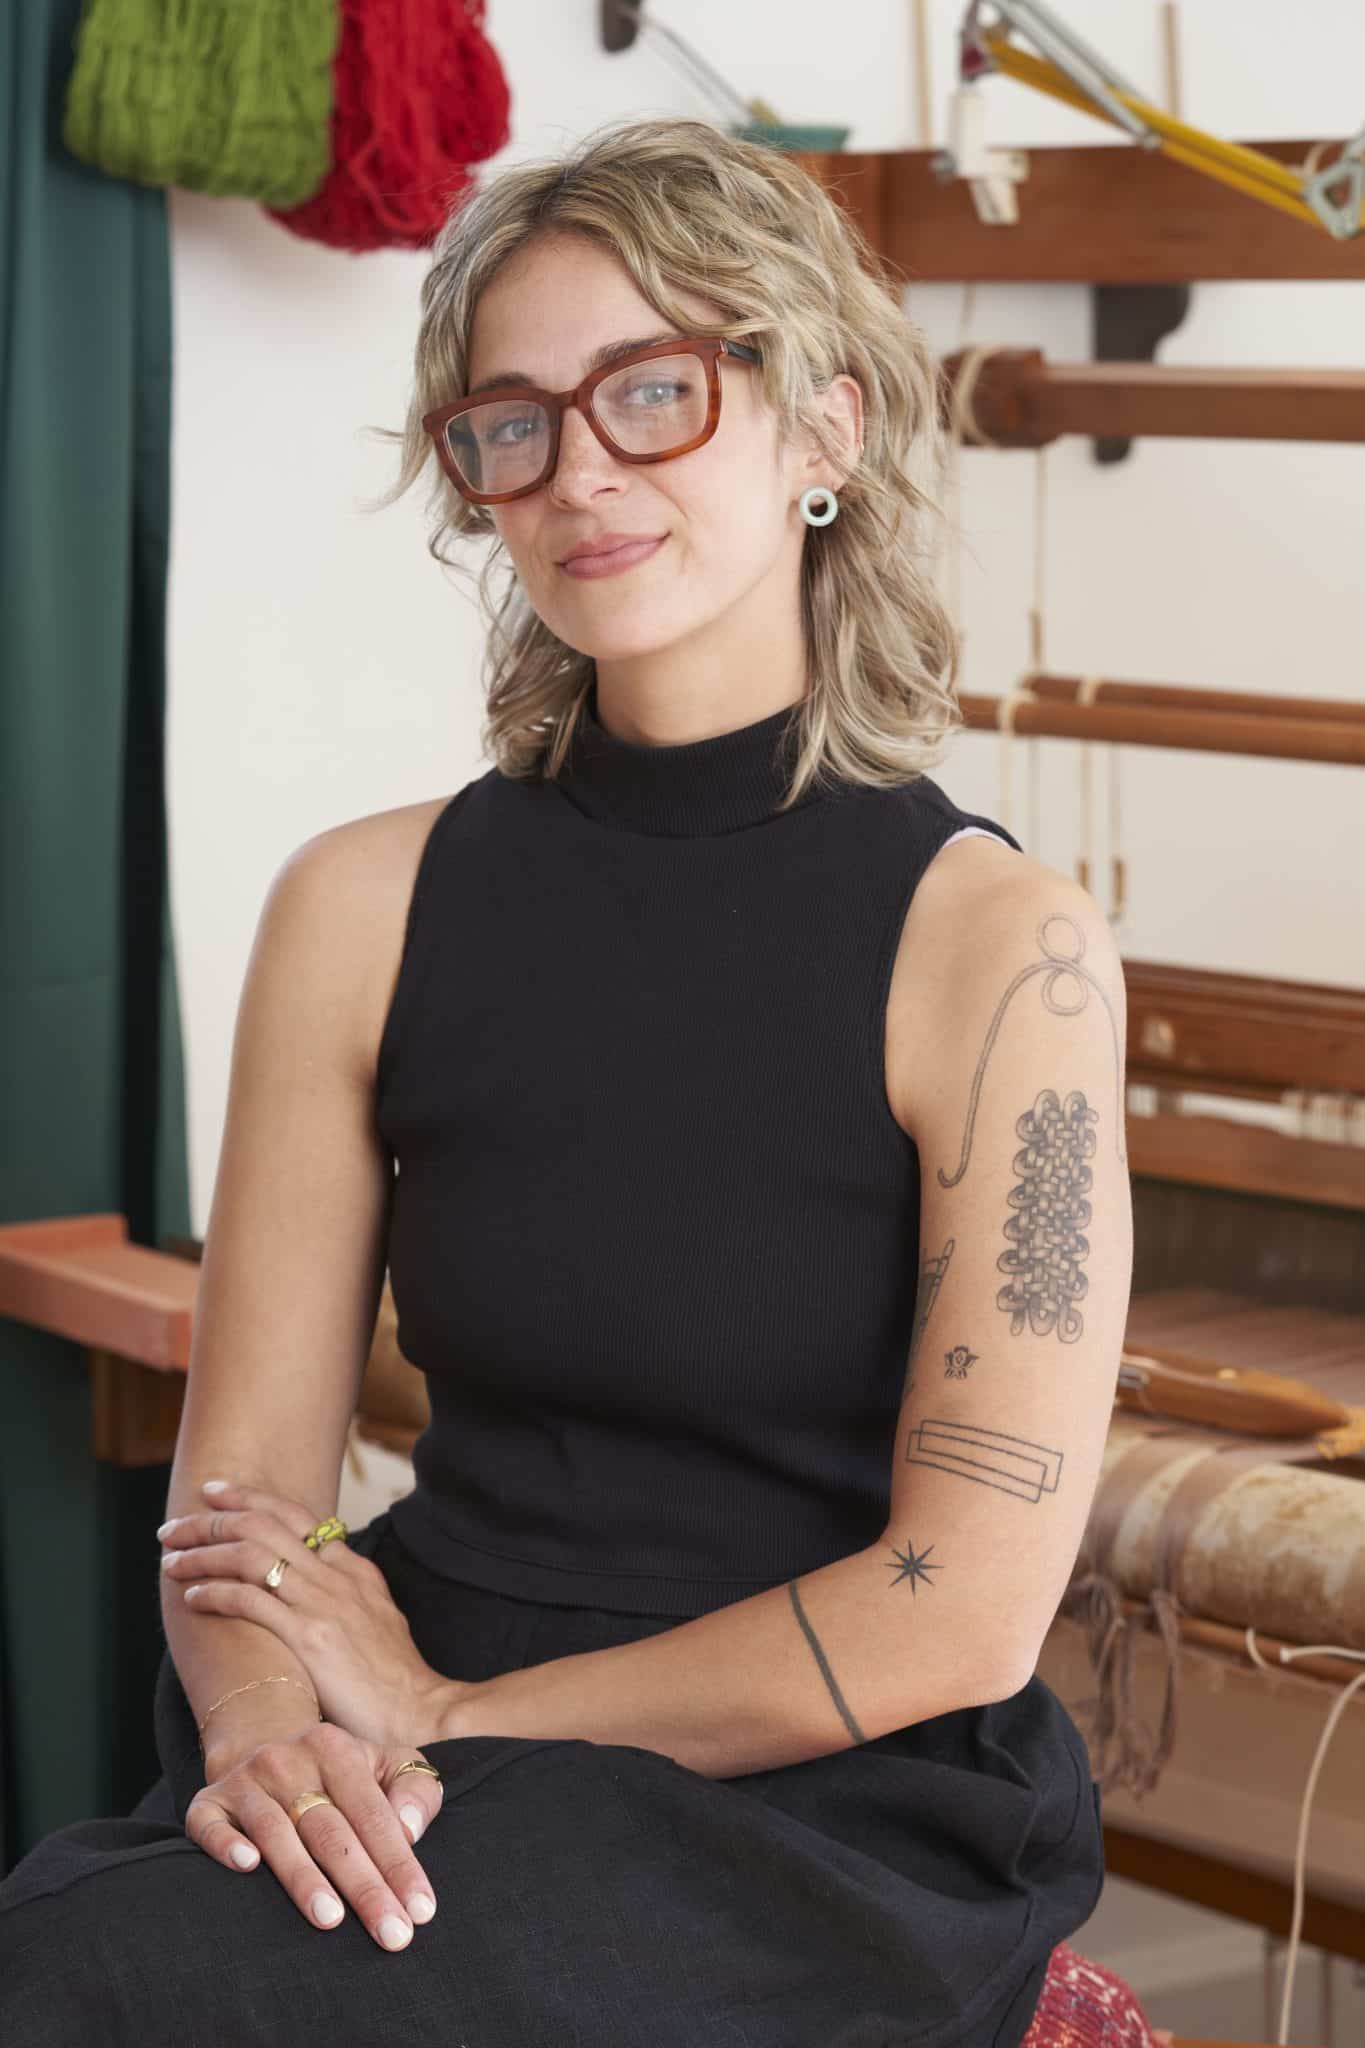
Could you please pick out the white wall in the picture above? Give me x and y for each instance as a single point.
(322, 667)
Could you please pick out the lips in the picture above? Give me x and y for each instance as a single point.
(615, 561)
(610, 546)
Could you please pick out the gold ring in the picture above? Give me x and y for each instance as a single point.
(418, 1764)
(276, 1573)
(298, 1807)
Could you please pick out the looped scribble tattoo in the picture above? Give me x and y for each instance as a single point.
(1057, 967)
(1047, 1231)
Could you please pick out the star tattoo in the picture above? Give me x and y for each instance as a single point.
(913, 1567)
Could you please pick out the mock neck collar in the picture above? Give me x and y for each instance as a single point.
(699, 787)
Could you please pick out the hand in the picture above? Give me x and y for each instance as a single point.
(333, 1609)
(357, 1846)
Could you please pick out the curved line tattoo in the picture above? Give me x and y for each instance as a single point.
(1054, 965)
(845, 1711)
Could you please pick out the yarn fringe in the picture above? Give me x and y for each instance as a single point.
(1126, 1753)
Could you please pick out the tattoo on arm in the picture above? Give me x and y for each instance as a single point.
(1078, 981)
(931, 1272)
(1047, 1230)
(957, 1362)
(845, 1713)
(912, 1567)
(1011, 1464)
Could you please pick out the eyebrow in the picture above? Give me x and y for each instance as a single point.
(608, 353)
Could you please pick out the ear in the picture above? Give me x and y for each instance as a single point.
(842, 406)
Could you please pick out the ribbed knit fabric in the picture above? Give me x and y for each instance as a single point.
(654, 1232)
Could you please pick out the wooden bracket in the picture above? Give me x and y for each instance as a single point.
(1127, 322)
(618, 24)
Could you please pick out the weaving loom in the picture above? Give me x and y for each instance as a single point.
(1208, 1549)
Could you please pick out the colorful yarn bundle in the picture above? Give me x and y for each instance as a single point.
(420, 95)
(224, 96)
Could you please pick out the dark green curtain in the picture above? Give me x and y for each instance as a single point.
(91, 1085)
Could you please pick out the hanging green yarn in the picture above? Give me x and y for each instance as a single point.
(220, 96)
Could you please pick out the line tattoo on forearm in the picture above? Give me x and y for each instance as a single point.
(845, 1713)
(1047, 1231)
(1011, 1464)
(1057, 967)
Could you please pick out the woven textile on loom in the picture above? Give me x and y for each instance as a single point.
(1211, 1523)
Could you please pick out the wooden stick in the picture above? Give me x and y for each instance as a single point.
(1020, 400)
(1341, 741)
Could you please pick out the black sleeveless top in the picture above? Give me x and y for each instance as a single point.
(654, 1237)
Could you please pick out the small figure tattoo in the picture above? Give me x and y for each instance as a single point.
(912, 1567)
(957, 1361)
(1058, 967)
(1011, 1464)
(1047, 1232)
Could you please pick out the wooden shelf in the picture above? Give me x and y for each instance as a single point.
(1104, 214)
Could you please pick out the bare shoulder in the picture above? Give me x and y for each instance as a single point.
(982, 912)
(352, 885)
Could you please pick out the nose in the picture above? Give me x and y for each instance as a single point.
(583, 464)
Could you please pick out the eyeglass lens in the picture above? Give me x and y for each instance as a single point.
(647, 408)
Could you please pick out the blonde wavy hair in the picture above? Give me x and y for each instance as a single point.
(687, 206)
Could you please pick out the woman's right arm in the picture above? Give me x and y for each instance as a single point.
(296, 1243)
(289, 1288)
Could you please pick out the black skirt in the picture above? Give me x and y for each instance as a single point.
(909, 1890)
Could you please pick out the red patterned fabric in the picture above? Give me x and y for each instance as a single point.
(1083, 2005)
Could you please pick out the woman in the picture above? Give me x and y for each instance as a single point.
(699, 1663)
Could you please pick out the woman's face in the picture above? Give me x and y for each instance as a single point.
(727, 575)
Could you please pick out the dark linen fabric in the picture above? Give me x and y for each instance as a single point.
(588, 1895)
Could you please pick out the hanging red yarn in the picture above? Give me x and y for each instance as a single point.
(420, 95)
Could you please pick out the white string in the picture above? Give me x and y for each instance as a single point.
(1287, 1656)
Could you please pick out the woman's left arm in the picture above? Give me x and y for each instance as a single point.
(1026, 1251)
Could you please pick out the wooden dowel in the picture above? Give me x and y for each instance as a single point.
(1204, 732)
(1183, 696)
(1224, 1636)
(1020, 400)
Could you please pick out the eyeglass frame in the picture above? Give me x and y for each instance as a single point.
(709, 348)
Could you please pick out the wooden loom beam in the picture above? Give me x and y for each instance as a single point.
(1102, 214)
(1186, 697)
(1314, 738)
(1020, 400)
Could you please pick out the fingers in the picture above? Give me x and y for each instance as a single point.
(415, 1797)
(354, 1852)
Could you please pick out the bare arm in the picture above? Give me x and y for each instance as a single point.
(295, 1248)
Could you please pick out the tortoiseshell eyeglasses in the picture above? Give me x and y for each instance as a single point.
(649, 406)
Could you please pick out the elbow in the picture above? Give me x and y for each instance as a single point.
(1010, 1673)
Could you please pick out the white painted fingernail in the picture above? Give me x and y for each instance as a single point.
(244, 1856)
(420, 1907)
(326, 1909)
(393, 1932)
(411, 1817)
